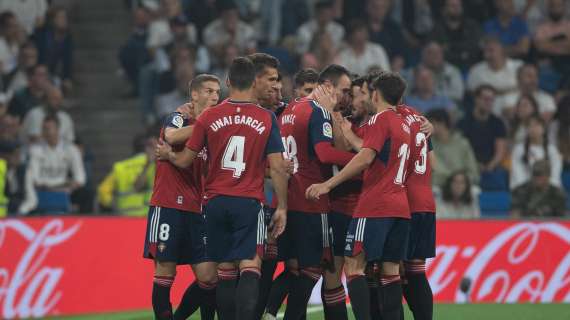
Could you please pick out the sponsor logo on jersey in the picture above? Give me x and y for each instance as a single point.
(327, 130)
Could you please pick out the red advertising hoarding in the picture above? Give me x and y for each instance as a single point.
(75, 265)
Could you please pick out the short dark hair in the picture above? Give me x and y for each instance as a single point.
(439, 115)
(355, 25)
(307, 75)
(241, 74)
(524, 66)
(482, 88)
(332, 73)
(51, 117)
(262, 61)
(359, 81)
(32, 70)
(196, 83)
(447, 195)
(5, 17)
(391, 85)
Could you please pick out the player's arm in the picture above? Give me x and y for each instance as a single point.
(321, 138)
(351, 137)
(279, 176)
(182, 159)
(177, 135)
(358, 164)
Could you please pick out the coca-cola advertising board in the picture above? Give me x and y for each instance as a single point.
(75, 265)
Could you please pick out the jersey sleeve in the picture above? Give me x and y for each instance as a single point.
(376, 134)
(198, 138)
(175, 120)
(274, 144)
(320, 126)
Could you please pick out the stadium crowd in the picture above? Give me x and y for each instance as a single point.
(492, 77)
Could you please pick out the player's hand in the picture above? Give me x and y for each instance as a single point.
(315, 191)
(325, 97)
(186, 109)
(278, 222)
(162, 150)
(289, 166)
(426, 126)
(345, 126)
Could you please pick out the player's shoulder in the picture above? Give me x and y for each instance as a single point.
(405, 109)
(388, 114)
(319, 110)
(176, 120)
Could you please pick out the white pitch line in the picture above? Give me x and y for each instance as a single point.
(310, 310)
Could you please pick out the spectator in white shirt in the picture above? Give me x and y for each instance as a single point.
(498, 70)
(527, 78)
(228, 28)
(361, 54)
(32, 125)
(160, 33)
(11, 37)
(165, 103)
(30, 13)
(323, 22)
(536, 147)
(27, 58)
(447, 77)
(54, 165)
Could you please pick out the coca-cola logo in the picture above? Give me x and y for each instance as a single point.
(527, 262)
(30, 289)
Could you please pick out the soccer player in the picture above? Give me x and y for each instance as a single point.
(421, 243)
(380, 226)
(240, 137)
(175, 227)
(305, 82)
(307, 134)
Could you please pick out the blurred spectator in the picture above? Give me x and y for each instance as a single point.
(32, 124)
(531, 11)
(18, 79)
(447, 77)
(201, 13)
(459, 199)
(83, 198)
(361, 54)
(383, 30)
(486, 133)
(177, 97)
(17, 189)
(55, 46)
(560, 130)
(417, 20)
(30, 13)
(322, 52)
(459, 35)
(552, 37)
(424, 96)
(118, 190)
(54, 165)
(9, 124)
(322, 23)
(134, 54)
(498, 70)
(228, 28)
(183, 37)
(480, 10)
(526, 108)
(538, 198)
(452, 152)
(305, 82)
(509, 28)
(230, 53)
(11, 38)
(535, 147)
(527, 79)
(293, 14)
(160, 32)
(31, 96)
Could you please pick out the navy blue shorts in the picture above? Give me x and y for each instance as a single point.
(421, 244)
(235, 227)
(381, 239)
(339, 225)
(175, 236)
(307, 239)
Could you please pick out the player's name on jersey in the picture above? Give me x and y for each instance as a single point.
(288, 119)
(411, 118)
(257, 125)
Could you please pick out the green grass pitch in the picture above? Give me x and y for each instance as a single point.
(441, 312)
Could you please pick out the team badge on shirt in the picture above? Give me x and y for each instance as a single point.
(178, 121)
(161, 247)
(327, 130)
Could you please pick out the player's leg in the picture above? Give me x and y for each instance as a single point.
(394, 251)
(268, 266)
(421, 246)
(161, 244)
(311, 242)
(373, 277)
(226, 290)
(354, 267)
(280, 288)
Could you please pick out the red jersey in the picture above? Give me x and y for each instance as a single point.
(344, 197)
(174, 187)
(418, 182)
(304, 124)
(238, 136)
(383, 191)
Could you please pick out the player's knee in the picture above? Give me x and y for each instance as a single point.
(390, 268)
(206, 272)
(164, 269)
(332, 280)
(354, 265)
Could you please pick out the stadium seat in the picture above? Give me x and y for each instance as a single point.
(53, 202)
(496, 180)
(495, 203)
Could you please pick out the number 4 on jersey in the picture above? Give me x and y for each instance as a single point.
(233, 156)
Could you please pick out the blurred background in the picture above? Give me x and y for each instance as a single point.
(84, 86)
